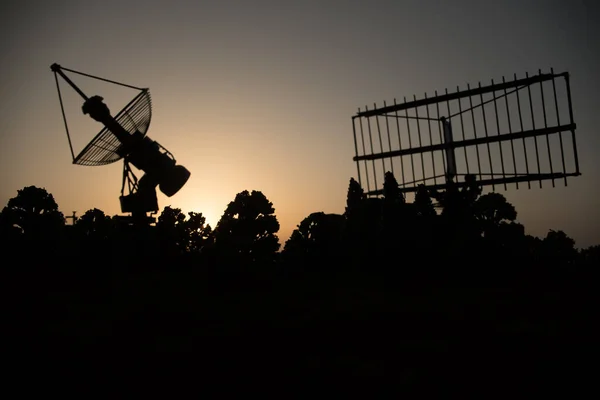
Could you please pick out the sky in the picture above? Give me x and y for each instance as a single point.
(259, 95)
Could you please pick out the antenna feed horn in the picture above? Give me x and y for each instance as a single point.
(96, 108)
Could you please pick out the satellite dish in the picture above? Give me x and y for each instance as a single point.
(124, 137)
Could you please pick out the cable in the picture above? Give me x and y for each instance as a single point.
(62, 109)
(102, 79)
(489, 101)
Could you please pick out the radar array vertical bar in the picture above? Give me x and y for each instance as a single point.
(537, 154)
(387, 128)
(521, 125)
(356, 149)
(498, 132)
(462, 128)
(448, 139)
(379, 134)
(362, 136)
(562, 153)
(572, 122)
(437, 108)
(420, 141)
(512, 146)
(546, 126)
(474, 131)
(412, 163)
(400, 144)
(485, 129)
(372, 152)
(431, 142)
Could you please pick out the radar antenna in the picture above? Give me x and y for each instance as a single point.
(505, 133)
(124, 137)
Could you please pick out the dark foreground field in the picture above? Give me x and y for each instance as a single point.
(417, 331)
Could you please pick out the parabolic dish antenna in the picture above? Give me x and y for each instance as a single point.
(124, 137)
(106, 148)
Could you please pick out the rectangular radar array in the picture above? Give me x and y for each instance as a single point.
(518, 130)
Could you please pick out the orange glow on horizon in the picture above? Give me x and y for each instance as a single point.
(260, 97)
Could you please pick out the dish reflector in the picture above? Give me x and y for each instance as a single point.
(104, 148)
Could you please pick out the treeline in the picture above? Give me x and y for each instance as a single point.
(449, 230)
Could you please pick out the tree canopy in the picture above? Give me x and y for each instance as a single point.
(248, 228)
(32, 213)
(467, 225)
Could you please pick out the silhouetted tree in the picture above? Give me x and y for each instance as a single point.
(491, 210)
(247, 230)
(423, 205)
(471, 190)
(503, 237)
(183, 234)
(168, 228)
(391, 190)
(590, 257)
(459, 233)
(363, 234)
(8, 229)
(198, 232)
(32, 228)
(319, 235)
(421, 231)
(507, 241)
(457, 202)
(398, 221)
(33, 213)
(558, 248)
(93, 236)
(94, 224)
(533, 246)
(355, 197)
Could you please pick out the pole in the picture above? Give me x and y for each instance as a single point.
(450, 159)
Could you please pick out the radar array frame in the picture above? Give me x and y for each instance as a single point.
(515, 131)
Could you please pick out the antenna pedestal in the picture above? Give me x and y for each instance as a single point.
(140, 196)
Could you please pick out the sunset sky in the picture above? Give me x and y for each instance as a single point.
(259, 95)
